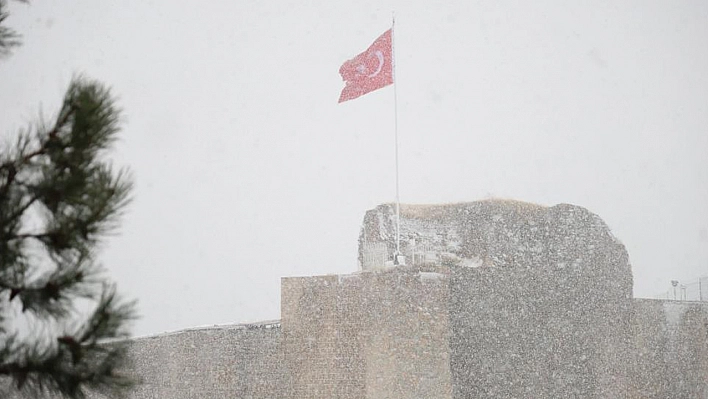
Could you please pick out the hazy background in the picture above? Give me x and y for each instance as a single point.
(248, 170)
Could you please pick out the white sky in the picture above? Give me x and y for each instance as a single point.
(248, 170)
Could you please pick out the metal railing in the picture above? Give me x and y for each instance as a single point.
(692, 291)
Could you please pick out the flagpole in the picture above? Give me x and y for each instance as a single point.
(395, 118)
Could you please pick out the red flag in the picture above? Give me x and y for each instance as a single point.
(368, 71)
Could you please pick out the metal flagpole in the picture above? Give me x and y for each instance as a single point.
(395, 117)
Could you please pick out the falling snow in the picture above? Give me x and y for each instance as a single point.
(548, 312)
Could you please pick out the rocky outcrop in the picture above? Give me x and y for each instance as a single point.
(565, 239)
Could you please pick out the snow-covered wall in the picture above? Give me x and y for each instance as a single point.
(669, 349)
(368, 336)
(528, 333)
(237, 361)
(232, 361)
(405, 333)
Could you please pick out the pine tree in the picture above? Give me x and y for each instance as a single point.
(62, 325)
(8, 37)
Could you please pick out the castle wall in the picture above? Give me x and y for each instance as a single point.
(669, 349)
(371, 335)
(524, 333)
(517, 335)
(238, 361)
(312, 342)
(475, 332)
(467, 333)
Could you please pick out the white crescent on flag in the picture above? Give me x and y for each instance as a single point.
(379, 55)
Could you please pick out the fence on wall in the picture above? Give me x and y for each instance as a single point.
(374, 255)
(696, 290)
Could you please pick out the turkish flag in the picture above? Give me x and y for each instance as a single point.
(368, 71)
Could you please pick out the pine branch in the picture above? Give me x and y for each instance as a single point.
(8, 37)
(58, 175)
(82, 359)
(19, 212)
(97, 370)
(109, 319)
(51, 136)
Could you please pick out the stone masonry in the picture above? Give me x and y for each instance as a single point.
(370, 335)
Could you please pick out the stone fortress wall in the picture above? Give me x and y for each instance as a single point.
(234, 361)
(371, 335)
(239, 361)
(504, 299)
(407, 333)
(505, 343)
(477, 333)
